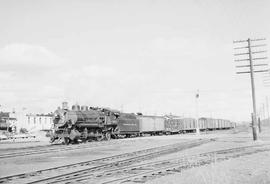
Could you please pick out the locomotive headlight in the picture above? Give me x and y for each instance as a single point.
(59, 118)
(56, 118)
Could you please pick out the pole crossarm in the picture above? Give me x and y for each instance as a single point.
(240, 48)
(263, 51)
(259, 58)
(242, 72)
(253, 65)
(258, 71)
(238, 54)
(261, 64)
(255, 71)
(260, 45)
(237, 60)
(239, 41)
(258, 39)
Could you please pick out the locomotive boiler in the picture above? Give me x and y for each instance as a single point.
(84, 123)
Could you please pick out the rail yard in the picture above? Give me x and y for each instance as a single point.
(147, 159)
(128, 92)
(101, 145)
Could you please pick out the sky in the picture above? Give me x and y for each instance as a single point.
(144, 56)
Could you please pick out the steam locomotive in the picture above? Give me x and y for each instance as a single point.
(92, 123)
(88, 123)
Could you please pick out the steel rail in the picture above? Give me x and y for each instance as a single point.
(177, 165)
(88, 163)
(54, 148)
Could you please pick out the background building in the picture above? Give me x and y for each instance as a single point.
(8, 121)
(34, 122)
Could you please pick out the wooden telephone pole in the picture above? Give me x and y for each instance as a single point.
(247, 53)
(197, 113)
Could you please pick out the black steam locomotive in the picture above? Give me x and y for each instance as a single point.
(88, 123)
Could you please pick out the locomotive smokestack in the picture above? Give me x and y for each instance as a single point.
(65, 105)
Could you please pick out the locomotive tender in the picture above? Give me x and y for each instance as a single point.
(88, 123)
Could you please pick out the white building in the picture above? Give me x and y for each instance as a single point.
(34, 122)
(39, 121)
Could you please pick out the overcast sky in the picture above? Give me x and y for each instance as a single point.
(140, 56)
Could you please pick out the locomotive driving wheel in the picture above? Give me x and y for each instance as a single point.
(100, 137)
(108, 136)
(66, 141)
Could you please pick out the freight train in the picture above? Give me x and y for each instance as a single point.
(92, 123)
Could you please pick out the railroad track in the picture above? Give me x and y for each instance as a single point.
(66, 172)
(52, 148)
(140, 173)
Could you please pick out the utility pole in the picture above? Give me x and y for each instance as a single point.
(263, 112)
(267, 84)
(267, 109)
(197, 112)
(259, 125)
(261, 117)
(246, 54)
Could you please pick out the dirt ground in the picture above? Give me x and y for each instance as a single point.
(251, 169)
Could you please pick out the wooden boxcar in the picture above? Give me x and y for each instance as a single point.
(151, 124)
(179, 125)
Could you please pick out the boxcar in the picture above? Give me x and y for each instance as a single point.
(219, 124)
(151, 124)
(174, 125)
(180, 125)
(202, 124)
(189, 124)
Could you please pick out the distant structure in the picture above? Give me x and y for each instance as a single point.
(36, 122)
(171, 116)
(7, 121)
